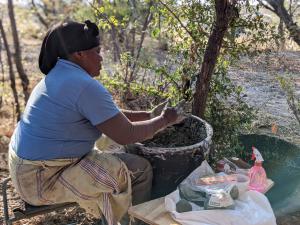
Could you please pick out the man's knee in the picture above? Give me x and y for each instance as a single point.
(146, 169)
(139, 167)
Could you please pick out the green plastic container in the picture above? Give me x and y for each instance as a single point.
(282, 164)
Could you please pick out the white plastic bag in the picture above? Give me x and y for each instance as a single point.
(252, 208)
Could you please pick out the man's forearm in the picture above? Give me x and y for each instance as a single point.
(122, 131)
(135, 116)
(142, 130)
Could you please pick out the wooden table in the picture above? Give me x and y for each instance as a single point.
(154, 212)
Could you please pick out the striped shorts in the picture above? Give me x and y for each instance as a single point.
(99, 182)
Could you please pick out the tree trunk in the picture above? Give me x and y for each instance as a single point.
(11, 73)
(2, 74)
(281, 34)
(132, 48)
(282, 13)
(17, 55)
(225, 13)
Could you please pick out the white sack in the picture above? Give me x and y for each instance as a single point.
(251, 208)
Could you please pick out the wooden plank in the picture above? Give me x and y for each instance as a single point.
(152, 212)
(270, 184)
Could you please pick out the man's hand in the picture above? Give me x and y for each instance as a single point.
(180, 110)
(157, 110)
(175, 114)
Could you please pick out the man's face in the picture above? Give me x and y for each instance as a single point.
(91, 61)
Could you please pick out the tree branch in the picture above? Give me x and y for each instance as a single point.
(146, 23)
(178, 19)
(39, 16)
(266, 6)
(113, 32)
(18, 53)
(11, 72)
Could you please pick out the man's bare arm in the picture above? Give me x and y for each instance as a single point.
(120, 129)
(134, 116)
(123, 131)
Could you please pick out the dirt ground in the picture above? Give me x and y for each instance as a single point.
(261, 90)
(251, 73)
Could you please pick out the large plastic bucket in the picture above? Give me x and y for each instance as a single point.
(172, 165)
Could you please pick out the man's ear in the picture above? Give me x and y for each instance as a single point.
(77, 55)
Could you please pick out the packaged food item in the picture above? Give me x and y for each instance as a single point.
(216, 179)
(220, 199)
(208, 190)
(212, 192)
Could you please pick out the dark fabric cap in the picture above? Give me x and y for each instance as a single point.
(65, 39)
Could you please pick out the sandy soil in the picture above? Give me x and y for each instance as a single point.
(261, 90)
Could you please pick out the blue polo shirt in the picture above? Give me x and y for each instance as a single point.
(60, 116)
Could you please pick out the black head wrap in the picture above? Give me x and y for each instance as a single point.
(64, 39)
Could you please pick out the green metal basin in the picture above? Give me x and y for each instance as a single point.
(282, 164)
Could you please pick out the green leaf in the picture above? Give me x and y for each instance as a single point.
(155, 32)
